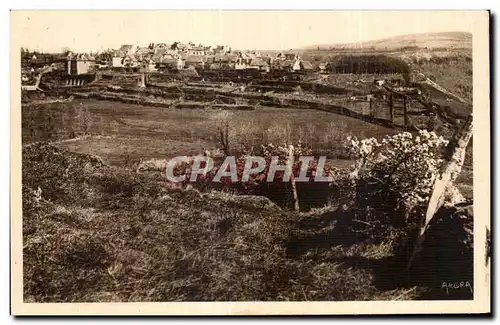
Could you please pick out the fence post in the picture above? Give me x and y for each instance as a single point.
(405, 105)
(391, 106)
(292, 179)
(143, 80)
(451, 168)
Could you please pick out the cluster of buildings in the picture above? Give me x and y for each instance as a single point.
(179, 56)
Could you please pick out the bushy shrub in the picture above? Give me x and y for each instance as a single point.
(61, 175)
(393, 178)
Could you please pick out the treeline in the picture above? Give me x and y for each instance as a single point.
(367, 64)
(37, 59)
(442, 60)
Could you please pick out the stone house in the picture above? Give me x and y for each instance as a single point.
(80, 63)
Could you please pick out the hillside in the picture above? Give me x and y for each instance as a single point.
(429, 40)
(444, 58)
(452, 72)
(98, 233)
(124, 237)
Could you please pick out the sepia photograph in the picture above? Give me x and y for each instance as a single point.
(250, 162)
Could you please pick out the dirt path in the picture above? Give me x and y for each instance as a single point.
(443, 90)
(121, 121)
(416, 71)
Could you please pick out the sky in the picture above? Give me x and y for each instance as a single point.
(83, 31)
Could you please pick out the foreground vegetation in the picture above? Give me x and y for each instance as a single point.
(97, 233)
(102, 234)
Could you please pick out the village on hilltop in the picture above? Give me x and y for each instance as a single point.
(165, 57)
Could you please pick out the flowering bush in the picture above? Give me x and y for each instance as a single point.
(394, 177)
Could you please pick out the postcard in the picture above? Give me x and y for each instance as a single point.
(171, 162)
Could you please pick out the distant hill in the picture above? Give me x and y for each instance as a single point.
(429, 40)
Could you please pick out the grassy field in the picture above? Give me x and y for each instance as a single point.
(151, 132)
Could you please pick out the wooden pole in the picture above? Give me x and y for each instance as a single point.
(292, 179)
(391, 106)
(371, 107)
(405, 109)
(451, 168)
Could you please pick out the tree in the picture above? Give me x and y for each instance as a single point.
(222, 121)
